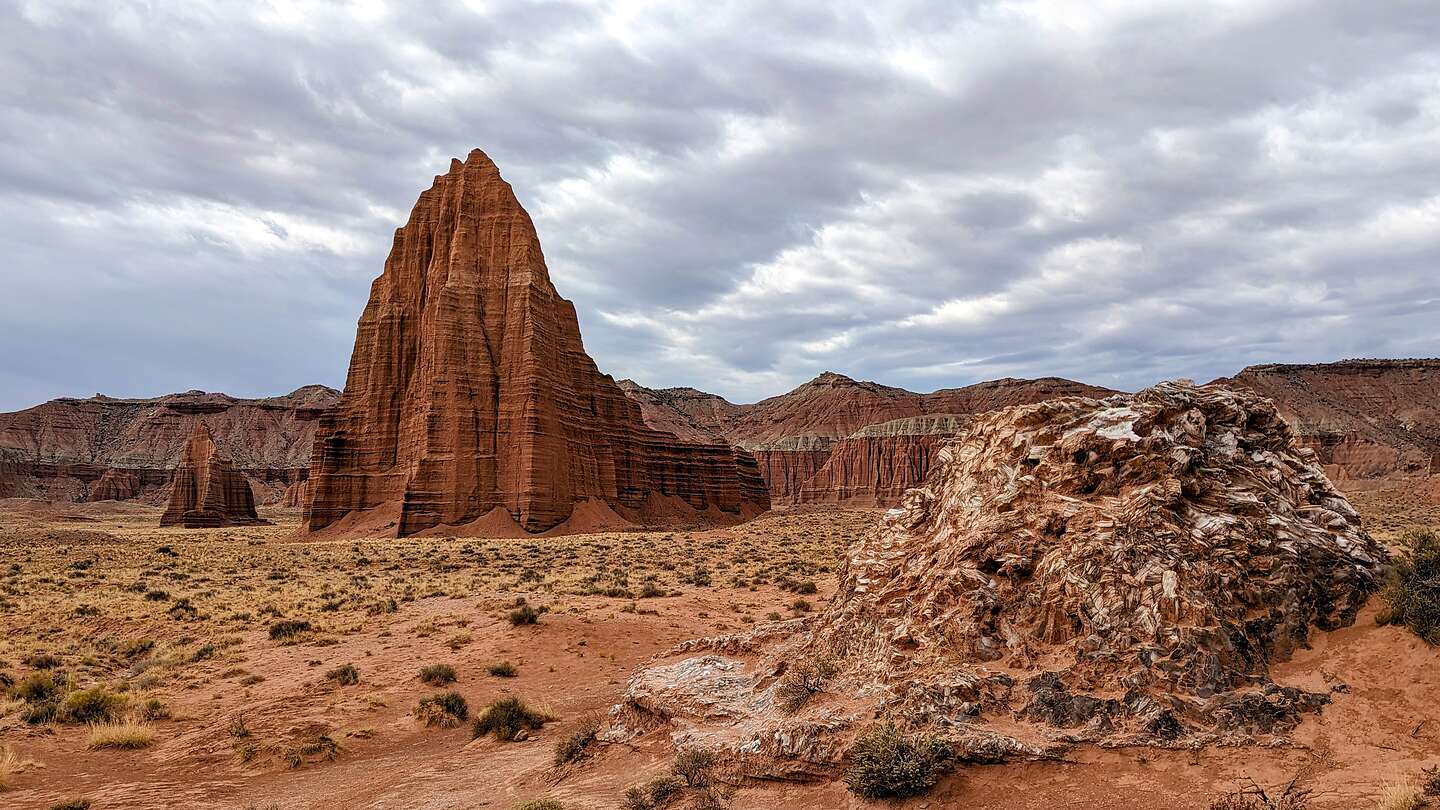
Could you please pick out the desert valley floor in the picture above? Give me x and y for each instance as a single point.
(244, 720)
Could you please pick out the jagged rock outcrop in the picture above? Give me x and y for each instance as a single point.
(807, 432)
(1123, 571)
(470, 395)
(1366, 419)
(62, 449)
(115, 485)
(876, 464)
(207, 492)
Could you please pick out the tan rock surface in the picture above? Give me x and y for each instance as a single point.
(1123, 570)
(470, 391)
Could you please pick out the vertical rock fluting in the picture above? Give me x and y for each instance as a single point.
(470, 391)
(115, 485)
(208, 492)
(875, 465)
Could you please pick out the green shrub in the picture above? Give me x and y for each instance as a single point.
(42, 695)
(445, 709)
(658, 792)
(694, 765)
(504, 669)
(573, 746)
(805, 679)
(93, 705)
(437, 674)
(345, 675)
(887, 764)
(524, 615)
(506, 718)
(287, 629)
(1413, 589)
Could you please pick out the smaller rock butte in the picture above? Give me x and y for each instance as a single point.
(116, 485)
(208, 493)
(1123, 571)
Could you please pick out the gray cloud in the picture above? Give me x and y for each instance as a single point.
(736, 197)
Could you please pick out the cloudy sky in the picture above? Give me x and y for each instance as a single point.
(737, 196)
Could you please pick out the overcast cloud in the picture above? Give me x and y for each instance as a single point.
(737, 196)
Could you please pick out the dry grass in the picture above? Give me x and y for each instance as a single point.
(11, 765)
(1400, 795)
(121, 734)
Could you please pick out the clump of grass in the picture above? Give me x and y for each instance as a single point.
(504, 669)
(345, 675)
(1413, 589)
(887, 764)
(694, 766)
(93, 705)
(524, 614)
(508, 719)
(540, 804)
(658, 792)
(122, 734)
(71, 804)
(1402, 795)
(11, 765)
(288, 629)
(574, 745)
(437, 674)
(443, 710)
(804, 680)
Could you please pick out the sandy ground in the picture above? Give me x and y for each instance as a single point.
(93, 585)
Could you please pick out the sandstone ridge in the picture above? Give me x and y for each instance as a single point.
(99, 448)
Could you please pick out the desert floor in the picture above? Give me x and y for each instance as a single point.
(245, 721)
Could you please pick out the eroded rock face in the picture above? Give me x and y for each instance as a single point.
(116, 485)
(61, 450)
(208, 492)
(1366, 419)
(837, 440)
(469, 391)
(875, 465)
(1122, 571)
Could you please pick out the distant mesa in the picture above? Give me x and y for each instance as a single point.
(1366, 419)
(110, 448)
(472, 407)
(208, 493)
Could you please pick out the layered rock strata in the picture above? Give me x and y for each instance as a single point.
(1366, 419)
(470, 395)
(207, 492)
(62, 450)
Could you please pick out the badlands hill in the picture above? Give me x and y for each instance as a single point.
(838, 440)
(1367, 419)
(120, 449)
